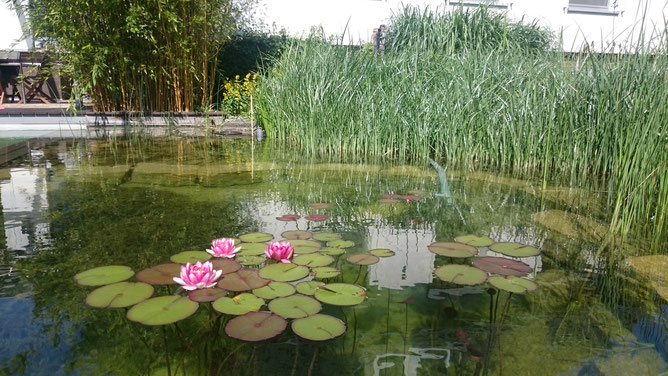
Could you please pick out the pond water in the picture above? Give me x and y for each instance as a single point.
(75, 205)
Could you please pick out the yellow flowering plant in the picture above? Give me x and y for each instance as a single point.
(237, 93)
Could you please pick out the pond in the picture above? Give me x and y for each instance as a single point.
(395, 302)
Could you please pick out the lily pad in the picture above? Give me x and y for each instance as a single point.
(250, 260)
(382, 252)
(326, 236)
(162, 274)
(226, 265)
(256, 237)
(274, 290)
(409, 198)
(513, 284)
(340, 294)
(332, 251)
(316, 217)
(475, 240)
(501, 265)
(252, 249)
(363, 259)
(104, 275)
(297, 234)
(284, 272)
(313, 260)
(461, 274)
(305, 246)
(295, 306)
(323, 272)
(319, 205)
(341, 243)
(162, 310)
(451, 249)
(121, 294)
(288, 217)
(239, 305)
(318, 327)
(514, 249)
(206, 295)
(308, 287)
(190, 257)
(242, 280)
(255, 326)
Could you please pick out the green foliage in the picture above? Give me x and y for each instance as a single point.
(249, 52)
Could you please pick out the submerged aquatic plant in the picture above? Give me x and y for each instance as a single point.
(223, 247)
(198, 276)
(280, 251)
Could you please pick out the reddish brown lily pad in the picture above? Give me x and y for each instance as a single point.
(316, 217)
(206, 295)
(288, 217)
(297, 234)
(451, 249)
(363, 259)
(319, 205)
(255, 326)
(242, 280)
(226, 265)
(410, 197)
(502, 266)
(162, 274)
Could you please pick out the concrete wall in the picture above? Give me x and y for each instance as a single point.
(603, 30)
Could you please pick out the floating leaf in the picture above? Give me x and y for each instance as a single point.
(513, 284)
(295, 306)
(332, 251)
(226, 265)
(319, 205)
(382, 252)
(461, 274)
(104, 275)
(288, 217)
(316, 217)
(284, 272)
(318, 327)
(242, 280)
(274, 290)
(190, 257)
(313, 260)
(501, 265)
(340, 294)
(341, 243)
(363, 259)
(308, 287)
(206, 295)
(409, 198)
(121, 294)
(323, 272)
(305, 246)
(451, 249)
(256, 237)
(239, 305)
(475, 240)
(514, 249)
(297, 234)
(162, 274)
(250, 260)
(252, 249)
(162, 310)
(326, 236)
(255, 326)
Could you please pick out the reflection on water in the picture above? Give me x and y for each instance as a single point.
(136, 202)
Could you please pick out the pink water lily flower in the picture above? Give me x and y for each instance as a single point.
(223, 248)
(198, 276)
(280, 251)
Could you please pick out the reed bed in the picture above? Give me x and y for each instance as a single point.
(513, 106)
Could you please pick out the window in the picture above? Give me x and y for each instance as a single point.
(475, 3)
(602, 7)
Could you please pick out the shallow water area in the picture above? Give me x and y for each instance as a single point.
(74, 205)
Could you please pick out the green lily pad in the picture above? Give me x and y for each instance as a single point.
(514, 249)
(319, 205)
(340, 243)
(121, 294)
(206, 295)
(452, 249)
(340, 294)
(475, 240)
(284, 272)
(255, 326)
(326, 236)
(332, 251)
(382, 252)
(295, 306)
(162, 274)
(274, 290)
(318, 327)
(104, 275)
(256, 237)
(313, 260)
(190, 257)
(250, 260)
(226, 265)
(239, 305)
(305, 246)
(308, 287)
(461, 274)
(252, 249)
(323, 272)
(363, 259)
(242, 280)
(513, 284)
(297, 234)
(501, 265)
(162, 310)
